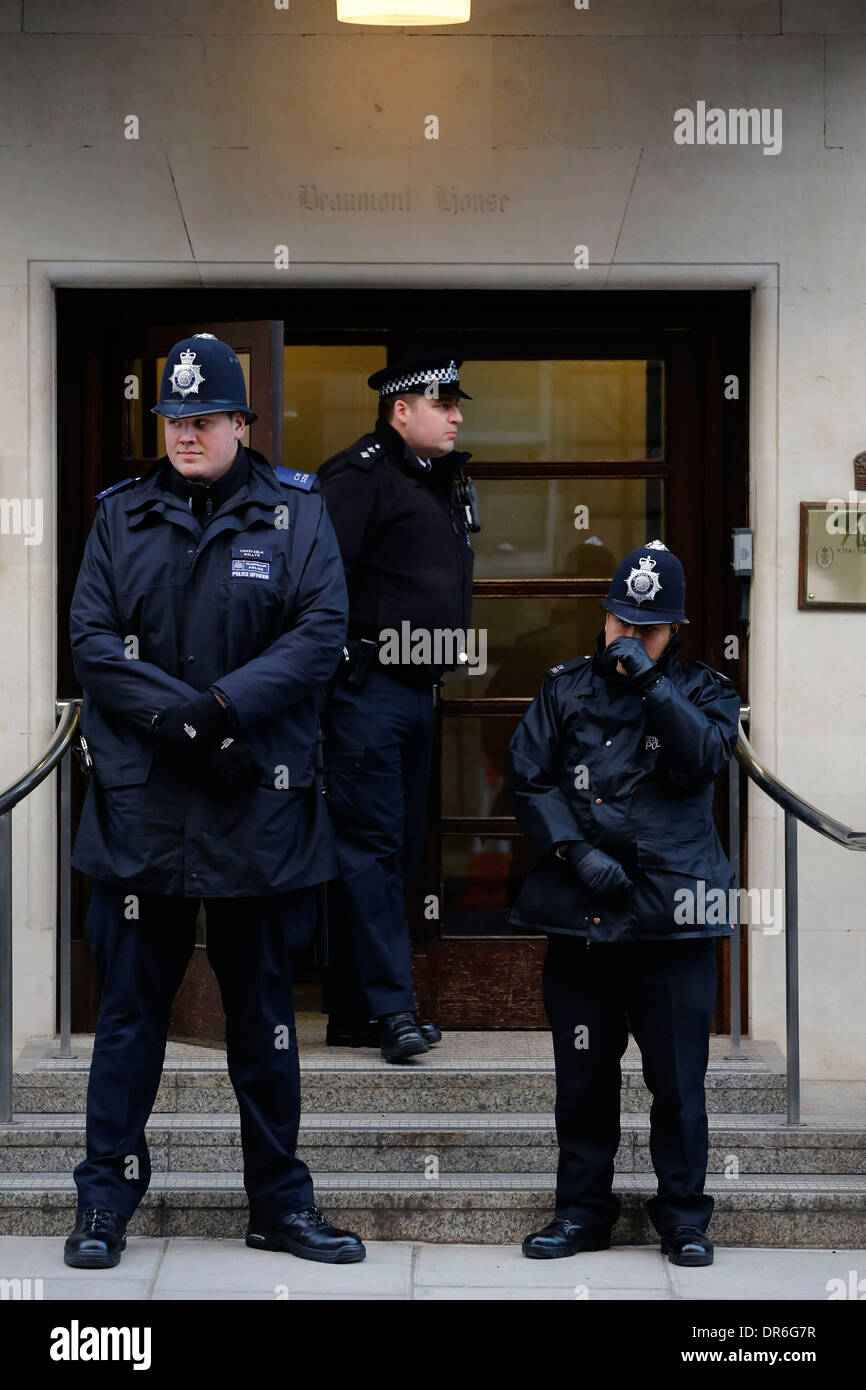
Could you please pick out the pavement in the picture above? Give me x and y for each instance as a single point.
(183, 1268)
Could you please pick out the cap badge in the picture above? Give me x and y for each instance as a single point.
(186, 376)
(643, 583)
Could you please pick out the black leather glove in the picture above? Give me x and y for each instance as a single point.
(636, 661)
(232, 764)
(192, 725)
(602, 875)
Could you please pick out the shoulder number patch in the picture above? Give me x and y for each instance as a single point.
(307, 482)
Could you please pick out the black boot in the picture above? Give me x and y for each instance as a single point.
(561, 1237)
(97, 1240)
(400, 1037)
(307, 1234)
(352, 1032)
(687, 1245)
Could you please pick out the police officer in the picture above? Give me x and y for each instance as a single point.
(403, 511)
(209, 612)
(612, 773)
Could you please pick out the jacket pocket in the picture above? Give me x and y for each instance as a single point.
(131, 770)
(673, 884)
(691, 858)
(551, 896)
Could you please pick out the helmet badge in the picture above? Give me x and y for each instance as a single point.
(186, 376)
(643, 583)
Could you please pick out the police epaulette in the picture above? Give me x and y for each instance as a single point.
(115, 487)
(713, 672)
(568, 665)
(307, 482)
(365, 452)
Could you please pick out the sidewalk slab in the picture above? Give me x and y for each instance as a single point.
(429, 1294)
(23, 1257)
(503, 1267)
(209, 1265)
(185, 1269)
(770, 1274)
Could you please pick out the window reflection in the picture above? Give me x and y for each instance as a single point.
(326, 400)
(525, 636)
(481, 878)
(564, 410)
(569, 528)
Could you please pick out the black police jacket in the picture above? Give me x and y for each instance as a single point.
(253, 606)
(405, 545)
(593, 760)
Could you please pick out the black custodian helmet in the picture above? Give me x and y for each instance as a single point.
(202, 376)
(648, 587)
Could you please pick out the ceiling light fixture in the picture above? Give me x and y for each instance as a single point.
(400, 12)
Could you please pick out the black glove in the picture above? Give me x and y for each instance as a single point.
(636, 660)
(602, 875)
(232, 764)
(192, 725)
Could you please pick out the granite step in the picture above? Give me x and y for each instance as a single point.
(790, 1210)
(404, 1091)
(488, 1073)
(450, 1142)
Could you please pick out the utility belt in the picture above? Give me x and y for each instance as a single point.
(359, 653)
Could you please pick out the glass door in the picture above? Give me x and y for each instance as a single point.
(568, 456)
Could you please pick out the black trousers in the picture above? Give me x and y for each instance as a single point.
(252, 945)
(378, 745)
(666, 991)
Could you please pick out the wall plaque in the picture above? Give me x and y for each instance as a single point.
(833, 554)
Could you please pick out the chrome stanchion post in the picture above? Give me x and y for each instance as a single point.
(65, 904)
(792, 987)
(734, 939)
(6, 968)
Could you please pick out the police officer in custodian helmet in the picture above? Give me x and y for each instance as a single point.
(612, 773)
(209, 612)
(403, 512)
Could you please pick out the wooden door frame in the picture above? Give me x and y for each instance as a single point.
(711, 328)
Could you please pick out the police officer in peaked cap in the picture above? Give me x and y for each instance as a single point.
(208, 615)
(612, 772)
(403, 511)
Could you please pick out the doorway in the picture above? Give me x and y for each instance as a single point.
(597, 422)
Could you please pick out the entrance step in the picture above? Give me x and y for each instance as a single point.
(781, 1210)
(457, 1146)
(490, 1073)
(450, 1143)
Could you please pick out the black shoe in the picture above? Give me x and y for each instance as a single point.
(97, 1240)
(561, 1237)
(351, 1032)
(687, 1245)
(400, 1037)
(343, 1032)
(307, 1234)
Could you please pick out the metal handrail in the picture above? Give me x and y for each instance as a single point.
(794, 806)
(791, 802)
(795, 809)
(56, 753)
